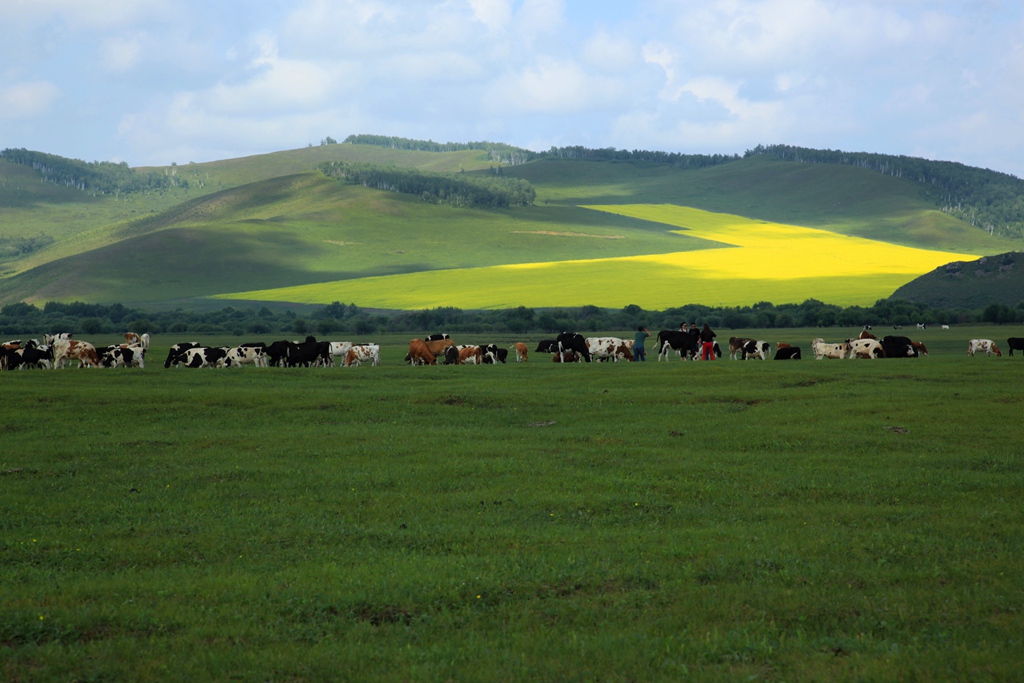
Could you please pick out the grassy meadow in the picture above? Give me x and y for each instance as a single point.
(747, 260)
(833, 520)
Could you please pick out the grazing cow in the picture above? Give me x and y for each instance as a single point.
(451, 356)
(493, 355)
(471, 355)
(340, 350)
(201, 357)
(604, 348)
(244, 355)
(569, 357)
(547, 346)
(522, 352)
(277, 353)
(866, 348)
(898, 347)
(573, 341)
(922, 326)
(1015, 343)
(437, 346)
(756, 349)
(125, 355)
(683, 343)
(177, 350)
(788, 353)
(67, 350)
(363, 353)
(31, 356)
(419, 354)
(821, 349)
(945, 327)
(736, 345)
(309, 353)
(920, 348)
(987, 346)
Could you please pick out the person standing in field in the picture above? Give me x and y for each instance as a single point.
(707, 343)
(639, 354)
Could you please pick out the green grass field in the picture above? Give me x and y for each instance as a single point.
(833, 520)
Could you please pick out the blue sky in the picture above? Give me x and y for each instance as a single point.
(161, 81)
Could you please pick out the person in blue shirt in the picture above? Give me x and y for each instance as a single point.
(639, 354)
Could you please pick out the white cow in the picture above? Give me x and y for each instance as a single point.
(866, 348)
(821, 349)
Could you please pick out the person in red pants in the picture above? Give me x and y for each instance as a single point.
(707, 343)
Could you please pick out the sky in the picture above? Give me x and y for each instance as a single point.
(152, 82)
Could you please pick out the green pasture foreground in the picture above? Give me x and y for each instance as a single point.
(834, 520)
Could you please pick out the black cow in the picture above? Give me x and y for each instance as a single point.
(1015, 343)
(547, 346)
(277, 352)
(686, 343)
(451, 355)
(898, 347)
(309, 352)
(437, 337)
(788, 353)
(573, 341)
(178, 349)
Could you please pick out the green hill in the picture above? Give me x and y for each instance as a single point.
(273, 221)
(995, 279)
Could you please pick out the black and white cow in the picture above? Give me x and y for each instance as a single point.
(898, 347)
(683, 343)
(178, 349)
(547, 346)
(756, 349)
(574, 342)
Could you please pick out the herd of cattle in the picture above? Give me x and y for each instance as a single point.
(59, 350)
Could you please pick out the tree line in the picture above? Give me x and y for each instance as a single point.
(494, 191)
(986, 199)
(337, 318)
(497, 151)
(677, 159)
(97, 177)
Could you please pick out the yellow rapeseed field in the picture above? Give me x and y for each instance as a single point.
(764, 262)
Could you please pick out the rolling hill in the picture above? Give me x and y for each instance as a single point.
(273, 224)
(974, 284)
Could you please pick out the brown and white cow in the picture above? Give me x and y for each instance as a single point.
(987, 346)
(363, 353)
(67, 350)
(613, 348)
(522, 352)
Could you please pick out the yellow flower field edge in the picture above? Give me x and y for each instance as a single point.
(768, 261)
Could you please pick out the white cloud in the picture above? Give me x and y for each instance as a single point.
(494, 14)
(27, 100)
(122, 53)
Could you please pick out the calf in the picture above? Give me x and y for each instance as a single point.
(522, 352)
(736, 346)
